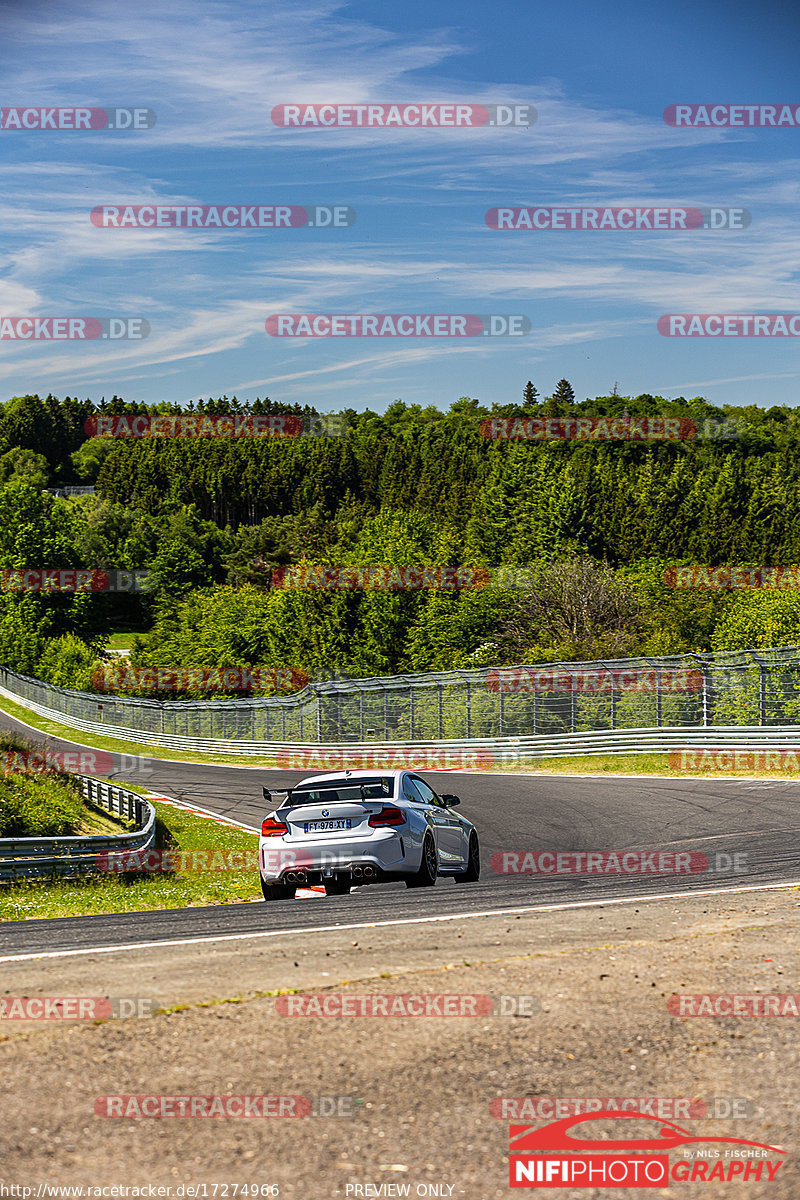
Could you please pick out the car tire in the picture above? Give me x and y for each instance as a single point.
(428, 867)
(278, 891)
(337, 887)
(473, 871)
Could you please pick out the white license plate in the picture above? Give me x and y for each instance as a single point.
(320, 826)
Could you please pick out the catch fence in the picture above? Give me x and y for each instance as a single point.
(740, 688)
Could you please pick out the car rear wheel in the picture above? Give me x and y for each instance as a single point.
(428, 868)
(278, 891)
(337, 887)
(473, 871)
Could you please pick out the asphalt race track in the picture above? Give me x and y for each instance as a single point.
(754, 819)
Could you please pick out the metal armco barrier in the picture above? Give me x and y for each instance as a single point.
(539, 705)
(22, 858)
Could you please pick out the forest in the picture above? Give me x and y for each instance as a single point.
(590, 530)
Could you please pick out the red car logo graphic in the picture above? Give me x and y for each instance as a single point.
(555, 1136)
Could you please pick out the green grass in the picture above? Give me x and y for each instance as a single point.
(124, 639)
(187, 887)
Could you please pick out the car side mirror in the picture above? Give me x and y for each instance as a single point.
(450, 801)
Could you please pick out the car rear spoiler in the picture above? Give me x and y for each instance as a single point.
(267, 794)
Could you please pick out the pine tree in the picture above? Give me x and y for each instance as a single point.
(530, 396)
(564, 393)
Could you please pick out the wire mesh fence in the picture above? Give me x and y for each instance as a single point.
(746, 687)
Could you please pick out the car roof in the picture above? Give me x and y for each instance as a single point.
(354, 775)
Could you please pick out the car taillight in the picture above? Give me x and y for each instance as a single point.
(272, 828)
(389, 815)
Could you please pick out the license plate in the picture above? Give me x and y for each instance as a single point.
(320, 826)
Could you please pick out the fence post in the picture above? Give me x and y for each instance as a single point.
(411, 713)
(439, 689)
(469, 709)
(762, 688)
(361, 712)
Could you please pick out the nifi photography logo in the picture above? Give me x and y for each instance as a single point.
(551, 1156)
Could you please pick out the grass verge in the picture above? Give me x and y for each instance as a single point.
(215, 864)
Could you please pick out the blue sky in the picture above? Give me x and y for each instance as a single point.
(599, 77)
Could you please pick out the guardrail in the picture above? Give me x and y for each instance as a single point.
(22, 858)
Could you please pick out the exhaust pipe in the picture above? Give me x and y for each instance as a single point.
(358, 872)
(296, 876)
(369, 872)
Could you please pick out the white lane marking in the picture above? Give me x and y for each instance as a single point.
(203, 812)
(491, 912)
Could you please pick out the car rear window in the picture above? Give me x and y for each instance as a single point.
(333, 790)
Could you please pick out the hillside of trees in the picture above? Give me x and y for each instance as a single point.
(594, 522)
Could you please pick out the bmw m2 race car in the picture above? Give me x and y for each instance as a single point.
(357, 827)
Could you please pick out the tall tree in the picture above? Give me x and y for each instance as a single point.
(530, 396)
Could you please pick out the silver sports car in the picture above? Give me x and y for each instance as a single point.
(357, 827)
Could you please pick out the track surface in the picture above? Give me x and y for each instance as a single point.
(758, 819)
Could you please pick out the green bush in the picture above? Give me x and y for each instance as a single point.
(38, 806)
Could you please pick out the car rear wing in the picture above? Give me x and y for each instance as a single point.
(269, 796)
